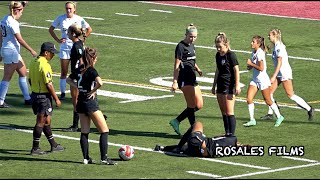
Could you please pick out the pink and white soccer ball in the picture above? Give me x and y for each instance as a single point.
(126, 152)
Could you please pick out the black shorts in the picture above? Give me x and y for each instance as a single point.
(187, 80)
(194, 144)
(42, 103)
(225, 89)
(87, 106)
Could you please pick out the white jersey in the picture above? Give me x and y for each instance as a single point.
(10, 27)
(280, 51)
(259, 76)
(64, 22)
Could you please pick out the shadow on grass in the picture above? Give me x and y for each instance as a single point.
(94, 130)
(31, 158)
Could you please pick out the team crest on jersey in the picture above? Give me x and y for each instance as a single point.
(80, 51)
(223, 61)
(48, 75)
(278, 50)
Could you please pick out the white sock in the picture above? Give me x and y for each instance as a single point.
(270, 111)
(63, 84)
(251, 111)
(24, 88)
(301, 102)
(3, 91)
(275, 109)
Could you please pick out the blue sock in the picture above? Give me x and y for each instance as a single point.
(24, 88)
(3, 90)
(63, 84)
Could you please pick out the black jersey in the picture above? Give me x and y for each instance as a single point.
(86, 81)
(225, 66)
(75, 54)
(187, 54)
(212, 143)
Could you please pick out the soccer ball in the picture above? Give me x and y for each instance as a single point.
(126, 152)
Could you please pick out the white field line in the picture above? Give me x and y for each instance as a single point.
(300, 159)
(271, 171)
(242, 12)
(134, 147)
(203, 174)
(239, 164)
(158, 10)
(171, 43)
(124, 14)
(95, 18)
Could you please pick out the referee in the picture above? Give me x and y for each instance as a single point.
(40, 79)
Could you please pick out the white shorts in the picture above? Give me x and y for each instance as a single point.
(260, 85)
(65, 50)
(285, 76)
(10, 56)
(64, 54)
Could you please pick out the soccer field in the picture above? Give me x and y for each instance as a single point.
(136, 43)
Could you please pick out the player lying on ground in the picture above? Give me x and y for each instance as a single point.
(195, 143)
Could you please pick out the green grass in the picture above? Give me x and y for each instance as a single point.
(144, 124)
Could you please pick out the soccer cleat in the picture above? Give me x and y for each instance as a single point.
(267, 117)
(158, 148)
(175, 124)
(71, 129)
(311, 114)
(4, 105)
(62, 96)
(37, 152)
(108, 161)
(89, 161)
(28, 102)
(57, 148)
(250, 123)
(279, 121)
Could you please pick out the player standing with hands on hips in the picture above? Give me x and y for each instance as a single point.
(88, 82)
(64, 21)
(184, 77)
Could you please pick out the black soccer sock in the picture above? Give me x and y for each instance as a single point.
(232, 124)
(47, 131)
(185, 137)
(75, 119)
(183, 115)
(169, 148)
(84, 145)
(191, 116)
(226, 124)
(36, 136)
(103, 143)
